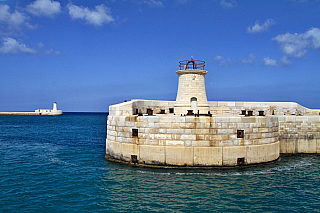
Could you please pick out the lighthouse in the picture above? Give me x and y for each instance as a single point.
(191, 93)
(55, 108)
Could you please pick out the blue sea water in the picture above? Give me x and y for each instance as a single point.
(56, 164)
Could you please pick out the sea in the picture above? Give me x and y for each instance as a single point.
(57, 164)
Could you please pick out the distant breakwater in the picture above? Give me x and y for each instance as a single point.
(20, 113)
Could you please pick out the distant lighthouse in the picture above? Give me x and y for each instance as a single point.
(191, 93)
(55, 108)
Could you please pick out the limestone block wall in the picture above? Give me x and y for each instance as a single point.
(299, 134)
(193, 141)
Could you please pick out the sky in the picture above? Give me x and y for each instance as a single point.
(87, 55)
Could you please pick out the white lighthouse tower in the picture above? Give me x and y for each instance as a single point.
(55, 108)
(191, 90)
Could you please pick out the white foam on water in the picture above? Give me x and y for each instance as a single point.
(57, 160)
(280, 168)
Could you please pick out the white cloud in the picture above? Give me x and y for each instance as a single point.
(296, 45)
(228, 4)
(44, 8)
(269, 61)
(154, 3)
(260, 28)
(223, 61)
(97, 17)
(40, 44)
(292, 44)
(285, 62)
(11, 45)
(218, 58)
(12, 21)
(314, 35)
(250, 60)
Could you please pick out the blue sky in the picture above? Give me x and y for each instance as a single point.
(87, 55)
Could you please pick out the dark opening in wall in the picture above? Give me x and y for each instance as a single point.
(150, 111)
(240, 161)
(190, 112)
(162, 111)
(250, 113)
(261, 113)
(171, 110)
(134, 158)
(243, 112)
(240, 133)
(134, 132)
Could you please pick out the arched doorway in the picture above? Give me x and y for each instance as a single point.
(194, 104)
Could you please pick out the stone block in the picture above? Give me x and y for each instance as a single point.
(111, 138)
(129, 149)
(153, 142)
(181, 156)
(152, 154)
(273, 151)
(225, 131)
(318, 145)
(201, 143)
(207, 156)
(288, 146)
(250, 119)
(188, 137)
(187, 125)
(230, 155)
(200, 125)
(222, 120)
(256, 154)
(174, 143)
(113, 149)
(307, 145)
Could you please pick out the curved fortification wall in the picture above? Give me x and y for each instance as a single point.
(175, 140)
(192, 131)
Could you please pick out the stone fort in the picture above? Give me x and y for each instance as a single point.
(195, 132)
